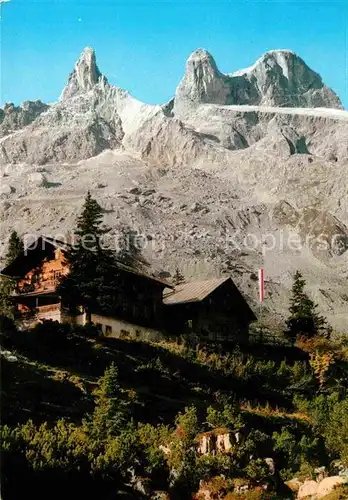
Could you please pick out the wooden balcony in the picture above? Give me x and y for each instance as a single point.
(49, 308)
(44, 286)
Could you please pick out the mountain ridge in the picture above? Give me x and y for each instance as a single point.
(216, 173)
(277, 78)
(86, 72)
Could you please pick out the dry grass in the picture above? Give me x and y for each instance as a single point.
(339, 493)
(268, 411)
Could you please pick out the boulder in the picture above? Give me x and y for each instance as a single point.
(160, 495)
(308, 490)
(38, 179)
(294, 484)
(320, 473)
(271, 465)
(142, 485)
(223, 442)
(217, 441)
(196, 207)
(134, 190)
(5, 189)
(242, 488)
(9, 356)
(328, 484)
(206, 443)
(6, 205)
(148, 192)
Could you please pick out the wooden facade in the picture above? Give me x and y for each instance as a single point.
(38, 270)
(138, 300)
(42, 265)
(213, 310)
(46, 276)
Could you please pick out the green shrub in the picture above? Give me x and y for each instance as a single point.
(257, 470)
(225, 415)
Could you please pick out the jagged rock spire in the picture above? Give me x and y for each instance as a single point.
(282, 78)
(85, 75)
(278, 78)
(202, 81)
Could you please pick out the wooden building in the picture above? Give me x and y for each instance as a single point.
(39, 269)
(211, 309)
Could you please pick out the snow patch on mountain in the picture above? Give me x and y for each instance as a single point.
(261, 152)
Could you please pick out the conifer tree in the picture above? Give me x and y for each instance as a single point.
(92, 281)
(304, 319)
(111, 413)
(7, 285)
(178, 277)
(15, 247)
(89, 223)
(6, 304)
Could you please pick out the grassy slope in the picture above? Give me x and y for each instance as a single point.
(49, 381)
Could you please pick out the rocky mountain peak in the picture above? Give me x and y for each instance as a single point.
(217, 174)
(13, 117)
(202, 82)
(277, 78)
(199, 57)
(85, 75)
(283, 60)
(284, 79)
(282, 64)
(201, 68)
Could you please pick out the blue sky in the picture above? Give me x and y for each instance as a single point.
(142, 45)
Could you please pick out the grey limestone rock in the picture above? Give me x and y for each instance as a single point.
(278, 78)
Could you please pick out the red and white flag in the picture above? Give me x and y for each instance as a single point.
(261, 285)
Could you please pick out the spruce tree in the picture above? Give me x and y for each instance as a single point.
(304, 319)
(8, 285)
(15, 247)
(111, 412)
(89, 223)
(178, 277)
(92, 279)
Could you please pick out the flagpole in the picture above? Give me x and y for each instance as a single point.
(261, 293)
(262, 281)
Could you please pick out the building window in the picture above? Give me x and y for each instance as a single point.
(108, 330)
(189, 323)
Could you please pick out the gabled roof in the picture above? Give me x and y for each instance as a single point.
(40, 247)
(128, 269)
(35, 251)
(63, 245)
(196, 291)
